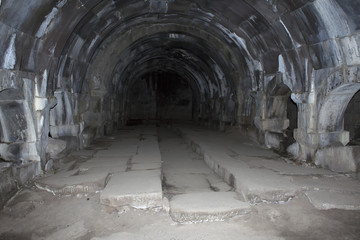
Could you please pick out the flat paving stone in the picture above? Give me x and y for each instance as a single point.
(146, 166)
(187, 183)
(73, 182)
(206, 206)
(117, 152)
(325, 200)
(255, 185)
(121, 236)
(151, 157)
(262, 176)
(258, 185)
(115, 164)
(284, 168)
(137, 189)
(217, 184)
(72, 231)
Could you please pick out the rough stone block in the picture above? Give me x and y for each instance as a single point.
(325, 200)
(7, 184)
(17, 152)
(206, 206)
(138, 189)
(339, 159)
(146, 166)
(274, 125)
(273, 140)
(55, 147)
(73, 182)
(109, 164)
(65, 130)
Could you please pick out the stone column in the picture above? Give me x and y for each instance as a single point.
(307, 135)
(42, 108)
(271, 125)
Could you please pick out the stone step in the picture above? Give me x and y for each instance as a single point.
(206, 206)
(136, 189)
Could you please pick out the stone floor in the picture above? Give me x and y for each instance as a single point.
(183, 182)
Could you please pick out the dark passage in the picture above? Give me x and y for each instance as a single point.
(161, 96)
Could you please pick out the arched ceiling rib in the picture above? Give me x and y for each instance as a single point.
(174, 51)
(269, 35)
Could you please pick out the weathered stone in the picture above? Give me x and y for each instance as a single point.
(55, 147)
(138, 189)
(19, 152)
(325, 200)
(73, 182)
(7, 184)
(207, 206)
(65, 130)
(339, 159)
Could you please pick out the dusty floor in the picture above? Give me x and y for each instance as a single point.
(37, 214)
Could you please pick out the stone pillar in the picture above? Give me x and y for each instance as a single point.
(42, 107)
(270, 123)
(307, 135)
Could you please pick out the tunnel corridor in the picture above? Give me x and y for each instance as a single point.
(282, 75)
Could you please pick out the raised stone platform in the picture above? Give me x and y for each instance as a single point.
(73, 182)
(137, 189)
(325, 200)
(260, 175)
(207, 206)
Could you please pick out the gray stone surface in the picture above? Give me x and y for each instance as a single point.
(339, 159)
(137, 189)
(73, 182)
(121, 235)
(259, 176)
(206, 206)
(263, 185)
(324, 200)
(146, 166)
(55, 147)
(76, 230)
(116, 163)
(117, 151)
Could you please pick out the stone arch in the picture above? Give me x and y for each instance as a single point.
(352, 119)
(287, 110)
(331, 115)
(278, 96)
(273, 119)
(332, 151)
